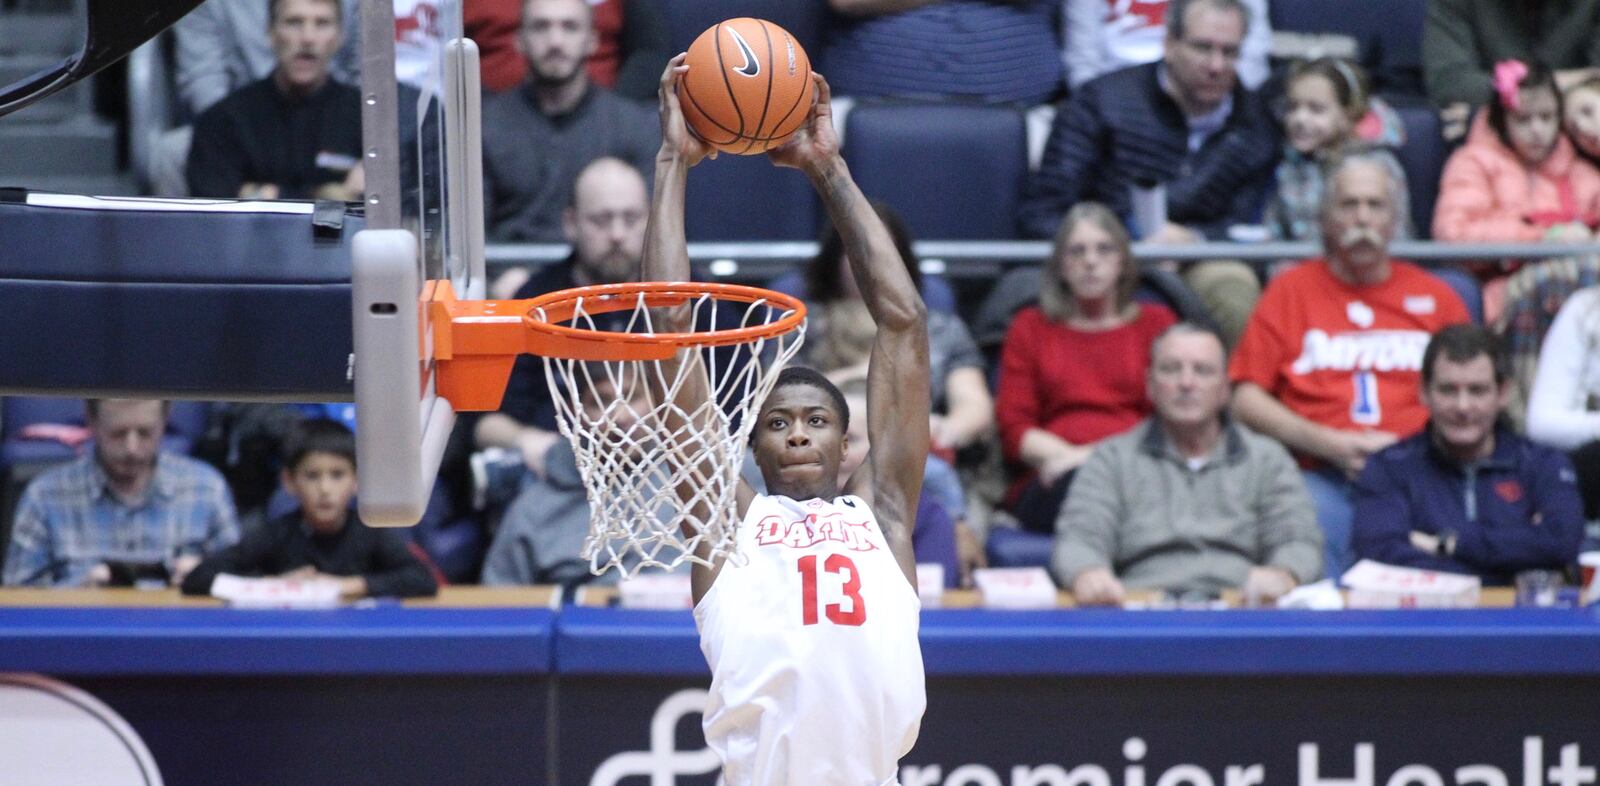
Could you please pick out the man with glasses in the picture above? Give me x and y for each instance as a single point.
(1187, 502)
(1183, 123)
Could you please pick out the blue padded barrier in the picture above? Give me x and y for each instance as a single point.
(114, 298)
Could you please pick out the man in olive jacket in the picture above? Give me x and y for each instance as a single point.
(1187, 501)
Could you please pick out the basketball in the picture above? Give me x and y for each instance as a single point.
(748, 88)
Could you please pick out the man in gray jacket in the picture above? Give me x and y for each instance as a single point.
(1187, 501)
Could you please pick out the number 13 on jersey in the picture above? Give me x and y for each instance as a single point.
(837, 613)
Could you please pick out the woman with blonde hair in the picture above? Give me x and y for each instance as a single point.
(1072, 369)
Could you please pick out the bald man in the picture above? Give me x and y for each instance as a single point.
(539, 136)
(605, 224)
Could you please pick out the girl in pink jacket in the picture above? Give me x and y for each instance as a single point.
(1518, 177)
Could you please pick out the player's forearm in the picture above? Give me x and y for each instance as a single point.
(666, 251)
(880, 273)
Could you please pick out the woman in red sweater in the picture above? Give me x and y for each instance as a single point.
(1072, 369)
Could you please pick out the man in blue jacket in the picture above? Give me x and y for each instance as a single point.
(1467, 494)
(1183, 122)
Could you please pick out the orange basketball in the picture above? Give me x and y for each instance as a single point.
(748, 88)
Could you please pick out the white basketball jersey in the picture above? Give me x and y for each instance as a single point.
(816, 672)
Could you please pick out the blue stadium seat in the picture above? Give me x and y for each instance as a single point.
(1422, 156)
(954, 171)
(1387, 32)
(747, 198)
(1009, 547)
(687, 19)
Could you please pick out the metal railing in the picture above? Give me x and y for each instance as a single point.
(978, 259)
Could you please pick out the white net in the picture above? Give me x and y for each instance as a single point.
(660, 444)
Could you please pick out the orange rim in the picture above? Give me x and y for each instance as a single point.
(562, 305)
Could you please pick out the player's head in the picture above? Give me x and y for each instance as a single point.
(605, 222)
(127, 436)
(557, 39)
(1202, 50)
(319, 470)
(799, 436)
(305, 34)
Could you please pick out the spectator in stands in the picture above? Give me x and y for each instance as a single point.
(1072, 368)
(1187, 501)
(295, 134)
(1518, 177)
(1184, 123)
(1463, 39)
(322, 537)
(996, 52)
(1564, 408)
(1328, 114)
(1581, 110)
(631, 44)
(128, 502)
(962, 406)
(605, 223)
(1329, 363)
(1467, 494)
(1102, 36)
(938, 536)
(221, 46)
(541, 537)
(537, 137)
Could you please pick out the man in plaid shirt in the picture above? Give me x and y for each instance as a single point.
(126, 502)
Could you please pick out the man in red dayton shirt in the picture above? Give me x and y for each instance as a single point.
(1330, 360)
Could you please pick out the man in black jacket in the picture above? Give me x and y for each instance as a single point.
(1184, 123)
(295, 134)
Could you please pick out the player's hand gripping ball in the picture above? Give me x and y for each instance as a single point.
(748, 88)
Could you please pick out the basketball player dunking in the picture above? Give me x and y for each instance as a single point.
(812, 636)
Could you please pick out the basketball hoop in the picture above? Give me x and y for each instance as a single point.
(615, 379)
(615, 395)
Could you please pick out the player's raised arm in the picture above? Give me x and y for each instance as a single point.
(666, 258)
(898, 395)
(666, 251)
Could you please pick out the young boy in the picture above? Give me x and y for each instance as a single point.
(322, 537)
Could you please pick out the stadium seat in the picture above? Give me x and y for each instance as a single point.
(687, 19)
(1009, 547)
(954, 171)
(1388, 34)
(747, 198)
(1422, 156)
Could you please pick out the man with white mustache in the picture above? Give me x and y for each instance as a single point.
(1329, 363)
